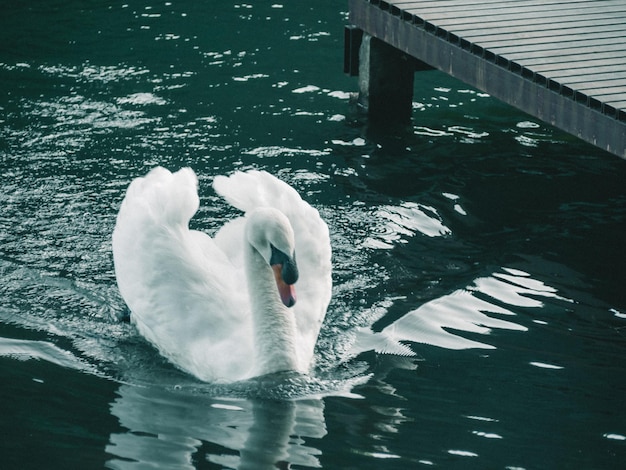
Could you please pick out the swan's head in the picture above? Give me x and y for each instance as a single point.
(270, 233)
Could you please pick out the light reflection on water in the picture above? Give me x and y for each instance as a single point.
(406, 220)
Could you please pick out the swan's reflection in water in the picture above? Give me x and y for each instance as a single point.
(177, 429)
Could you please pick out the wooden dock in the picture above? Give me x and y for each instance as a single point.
(561, 61)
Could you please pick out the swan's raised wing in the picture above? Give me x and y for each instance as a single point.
(254, 189)
(176, 281)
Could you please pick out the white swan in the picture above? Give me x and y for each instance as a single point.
(223, 308)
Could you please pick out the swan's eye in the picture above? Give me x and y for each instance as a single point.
(289, 271)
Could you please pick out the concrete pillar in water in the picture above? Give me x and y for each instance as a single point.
(385, 81)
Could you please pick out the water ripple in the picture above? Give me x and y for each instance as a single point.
(470, 310)
(405, 220)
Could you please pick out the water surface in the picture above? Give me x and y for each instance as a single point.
(487, 242)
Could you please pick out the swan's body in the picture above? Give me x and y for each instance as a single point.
(222, 308)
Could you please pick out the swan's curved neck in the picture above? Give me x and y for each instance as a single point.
(274, 324)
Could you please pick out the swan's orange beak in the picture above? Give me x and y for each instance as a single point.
(287, 291)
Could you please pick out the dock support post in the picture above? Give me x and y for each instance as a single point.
(385, 81)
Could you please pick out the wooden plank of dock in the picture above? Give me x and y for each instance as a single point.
(562, 61)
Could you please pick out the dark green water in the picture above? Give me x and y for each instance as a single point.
(489, 242)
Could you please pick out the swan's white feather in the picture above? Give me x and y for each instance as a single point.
(187, 292)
